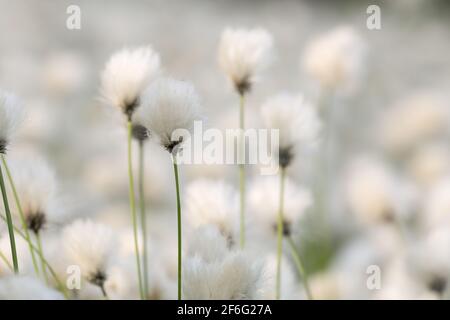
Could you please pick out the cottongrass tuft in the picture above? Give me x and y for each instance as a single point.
(11, 115)
(26, 288)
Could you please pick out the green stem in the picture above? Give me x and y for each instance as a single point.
(5, 260)
(59, 284)
(43, 268)
(143, 217)
(21, 215)
(133, 210)
(280, 221)
(177, 185)
(242, 170)
(300, 268)
(9, 222)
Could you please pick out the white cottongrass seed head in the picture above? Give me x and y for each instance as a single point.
(90, 246)
(126, 75)
(210, 202)
(243, 54)
(26, 288)
(211, 271)
(264, 203)
(297, 121)
(169, 109)
(11, 114)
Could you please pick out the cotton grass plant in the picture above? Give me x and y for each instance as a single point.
(243, 54)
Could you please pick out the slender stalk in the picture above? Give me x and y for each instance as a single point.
(5, 260)
(9, 222)
(143, 217)
(177, 185)
(60, 285)
(280, 221)
(43, 268)
(21, 215)
(133, 210)
(300, 268)
(102, 288)
(242, 170)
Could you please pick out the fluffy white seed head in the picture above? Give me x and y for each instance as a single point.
(264, 202)
(437, 206)
(211, 271)
(335, 59)
(296, 120)
(36, 187)
(125, 76)
(243, 53)
(26, 288)
(90, 246)
(210, 202)
(169, 109)
(11, 114)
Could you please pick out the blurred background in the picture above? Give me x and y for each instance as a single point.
(385, 139)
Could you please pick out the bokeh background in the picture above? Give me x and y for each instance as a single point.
(388, 147)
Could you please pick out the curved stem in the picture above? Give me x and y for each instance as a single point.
(242, 170)
(21, 215)
(177, 186)
(280, 234)
(5, 260)
(39, 244)
(300, 268)
(143, 217)
(59, 284)
(133, 210)
(9, 222)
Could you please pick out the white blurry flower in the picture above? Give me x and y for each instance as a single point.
(243, 53)
(125, 76)
(90, 246)
(26, 288)
(429, 163)
(36, 187)
(211, 271)
(264, 203)
(436, 211)
(411, 121)
(11, 114)
(297, 122)
(213, 202)
(335, 59)
(169, 108)
(374, 194)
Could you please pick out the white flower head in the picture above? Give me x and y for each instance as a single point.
(264, 202)
(296, 120)
(90, 246)
(169, 109)
(26, 288)
(36, 187)
(243, 53)
(218, 273)
(336, 58)
(210, 202)
(125, 76)
(11, 114)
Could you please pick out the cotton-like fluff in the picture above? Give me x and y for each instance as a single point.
(411, 121)
(436, 209)
(11, 114)
(264, 203)
(26, 288)
(125, 76)
(243, 53)
(374, 194)
(335, 59)
(211, 271)
(297, 122)
(169, 109)
(216, 203)
(91, 247)
(37, 190)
